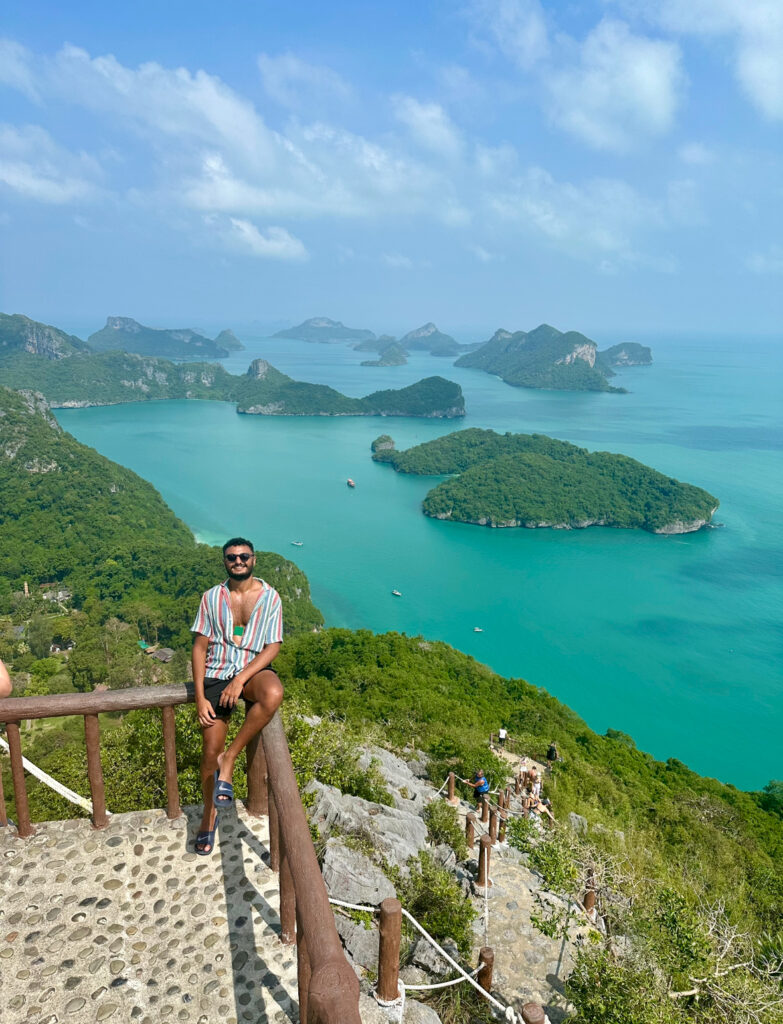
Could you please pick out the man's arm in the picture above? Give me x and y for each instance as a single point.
(5, 681)
(262, 660)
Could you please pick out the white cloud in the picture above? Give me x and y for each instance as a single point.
(296, 84)
(429, 125)
(768, 262)
(34, 167)
(15, 68)
(397, 261)
(621, 87)
(482, 255)
(696, 154)
(517, 27)
(755, 27)
(274, 244)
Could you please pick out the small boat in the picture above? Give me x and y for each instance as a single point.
(477, 629)
(297, 543)
(397, 593)
(350, 482)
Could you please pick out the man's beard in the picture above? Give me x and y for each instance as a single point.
(240, 572)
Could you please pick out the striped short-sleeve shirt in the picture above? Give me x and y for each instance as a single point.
(228, 654)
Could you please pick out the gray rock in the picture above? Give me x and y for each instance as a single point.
(413, 975)
(398, 834)
(399, 777)
(418, 765)
(426, 956)
(444, 855)
(577, 823)
(418, 1013)
(361, 942)
(352, 877)
(370, 1012)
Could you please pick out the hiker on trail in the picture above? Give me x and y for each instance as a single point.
(480, 785)
(551, 755)
(238, 632)
(502, 734)
(5, 681)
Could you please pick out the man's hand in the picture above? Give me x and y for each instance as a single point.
(232, 693)
(206, 716)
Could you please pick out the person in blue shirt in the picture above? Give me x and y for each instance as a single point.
(480, 785)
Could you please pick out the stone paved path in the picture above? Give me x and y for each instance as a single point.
(126, 924)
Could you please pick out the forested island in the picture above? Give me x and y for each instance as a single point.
(127, 335)
(684, 863)
(322, 329)
(548, 358)
(71, 376)
(534, 481)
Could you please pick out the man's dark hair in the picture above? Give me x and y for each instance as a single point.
(238, 542)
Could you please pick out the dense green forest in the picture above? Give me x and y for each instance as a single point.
(71, 516)
(534, 480)
(67, 373)
(542, 358)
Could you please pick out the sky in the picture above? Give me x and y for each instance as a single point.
(603, 166)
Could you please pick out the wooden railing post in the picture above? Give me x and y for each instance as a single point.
(485, 845)
(532, 1013)
(173, 809)
(257, 792)
(302, 968)
(452, 796)
(3, 811)
(470, 830)
(92, 736)
(485, 810)
(24, 826)
(517, 783)
(389, 949)
(493, 825)
(486, 963)
(589, 901)
(287, 901)
(502, 828)
(274, 832)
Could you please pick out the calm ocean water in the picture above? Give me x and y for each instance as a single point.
(676, 641)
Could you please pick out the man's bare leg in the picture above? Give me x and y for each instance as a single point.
(213, 741)
(266, 693)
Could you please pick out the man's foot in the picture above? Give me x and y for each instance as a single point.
(223, 789)
(205, 838)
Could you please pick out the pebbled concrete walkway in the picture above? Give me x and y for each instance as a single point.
(128, 924)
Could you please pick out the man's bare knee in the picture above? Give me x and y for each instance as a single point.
(266, 690)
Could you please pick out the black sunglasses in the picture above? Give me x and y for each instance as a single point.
(243, 556)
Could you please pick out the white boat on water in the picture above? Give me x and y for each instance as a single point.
(397, 593)
(477, 629)
(297, 543)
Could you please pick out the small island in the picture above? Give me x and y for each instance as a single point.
(124, 334)
(391, 355)
(535, 481)
(322, 329)
(70, 375)
(550, 359)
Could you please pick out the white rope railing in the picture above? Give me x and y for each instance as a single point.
(58, 787)
(508, 1011)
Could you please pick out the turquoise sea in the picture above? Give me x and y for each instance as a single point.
(676, 641)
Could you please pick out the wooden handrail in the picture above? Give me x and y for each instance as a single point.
(328, 987)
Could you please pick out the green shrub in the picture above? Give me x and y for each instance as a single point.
(521, 833)
(443, 826)
(433, 896)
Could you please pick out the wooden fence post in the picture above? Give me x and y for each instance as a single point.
(470, 830)
(24, 826)
(485, 845)
(287, 901)
(452, 796)
(257, 791)
(3, 811)
(274, 832)
(485, 810)
(502, 828)
(532, 1013)
(389, 949)
(486, 963)
(173, 809)
(589, 900)
(518, 783)
(302, 970)
(493, 825)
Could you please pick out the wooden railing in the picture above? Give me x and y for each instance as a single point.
(328, 988)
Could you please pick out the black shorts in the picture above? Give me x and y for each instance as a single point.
(213, 689)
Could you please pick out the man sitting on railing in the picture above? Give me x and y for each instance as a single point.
(5, 681)
(239, 629)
